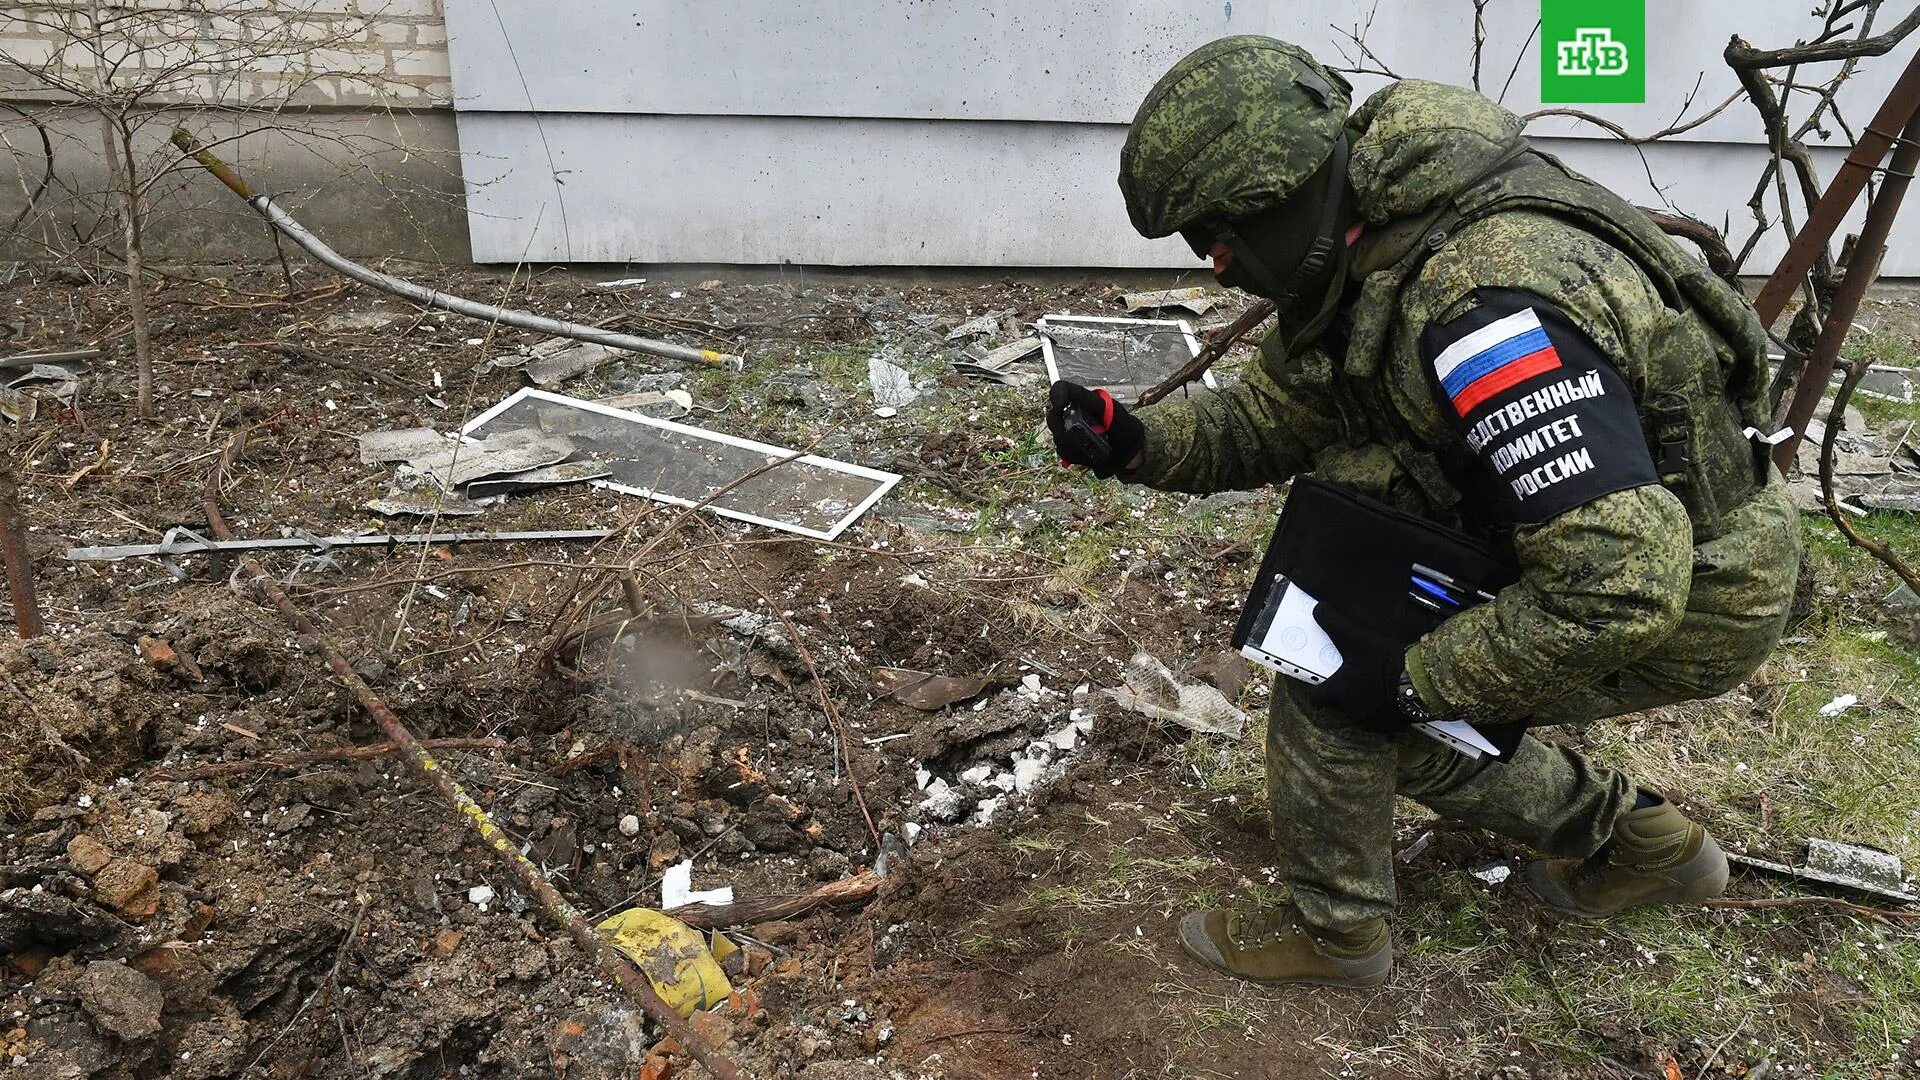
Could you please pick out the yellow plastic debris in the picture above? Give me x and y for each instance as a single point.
(672, 955)
(722, 946)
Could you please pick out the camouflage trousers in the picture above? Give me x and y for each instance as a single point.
(1331, 784)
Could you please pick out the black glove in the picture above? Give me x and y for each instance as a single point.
(1090, 428)
(1366, 689)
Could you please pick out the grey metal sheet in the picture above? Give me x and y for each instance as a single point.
(506, 452)
(567, 472)
(399, 445)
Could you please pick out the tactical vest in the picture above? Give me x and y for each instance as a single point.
(1694, 414)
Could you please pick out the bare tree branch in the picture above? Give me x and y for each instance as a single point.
(1358, 36)
(1837, 420)
(1479, 37)
(1707, 238)
(46, 178)
(1744, 57)
(1622, 134)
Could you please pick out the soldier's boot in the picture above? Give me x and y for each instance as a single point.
(1656, 856)
(1275, 946)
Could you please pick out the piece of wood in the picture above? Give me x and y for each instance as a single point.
(18, 559)
(1215, 348)
(1832, 902)
(761, 909)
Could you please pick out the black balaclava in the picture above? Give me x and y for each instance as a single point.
(1293, 253)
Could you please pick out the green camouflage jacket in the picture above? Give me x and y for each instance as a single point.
(1603, 583)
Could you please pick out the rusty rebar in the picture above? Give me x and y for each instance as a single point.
(1825, 216)
(609, 959)
(1861, 268)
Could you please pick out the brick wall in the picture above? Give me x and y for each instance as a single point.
(339, 107)
(234, 53)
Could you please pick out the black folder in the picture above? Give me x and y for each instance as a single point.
(1359, 555)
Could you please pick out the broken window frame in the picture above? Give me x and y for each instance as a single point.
(1053, 369)
(885, 480)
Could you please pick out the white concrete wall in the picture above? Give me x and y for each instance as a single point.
(964, 132)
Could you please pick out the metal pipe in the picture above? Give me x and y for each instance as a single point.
(1825, 216)
(420, 294)
(174, 544)
(1846, 300)
(27, 360)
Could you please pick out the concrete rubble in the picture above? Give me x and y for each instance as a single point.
(1028, 749)
(1198, 299)
(122, 1002)
(1157, 693)
(1873, 469)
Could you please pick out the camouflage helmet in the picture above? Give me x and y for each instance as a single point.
(1231, 130)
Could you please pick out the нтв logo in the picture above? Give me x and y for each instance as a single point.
(1593, 50)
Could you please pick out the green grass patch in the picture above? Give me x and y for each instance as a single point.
(1766, 766)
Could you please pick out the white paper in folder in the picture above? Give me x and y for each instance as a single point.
(1293, 644)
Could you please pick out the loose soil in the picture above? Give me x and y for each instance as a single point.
(321, 920)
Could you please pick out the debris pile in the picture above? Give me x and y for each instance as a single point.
(848, 774)
(1873, 469)
(32, 380)
(1013, 744)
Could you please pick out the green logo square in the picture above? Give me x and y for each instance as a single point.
(1593, 51)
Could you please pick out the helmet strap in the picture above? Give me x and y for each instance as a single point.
(1310, 287)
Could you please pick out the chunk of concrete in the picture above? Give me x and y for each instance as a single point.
(120, 1001)
(379, 447)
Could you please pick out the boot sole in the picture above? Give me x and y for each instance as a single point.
(1369, 971)
(1700, 878)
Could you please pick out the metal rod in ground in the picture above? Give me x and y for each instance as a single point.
(1853, 288)
(609, 959)
(420, 294)
(177, 545)
(19, 561)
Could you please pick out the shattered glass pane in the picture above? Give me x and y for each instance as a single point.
(1124, 357)
(685, 465)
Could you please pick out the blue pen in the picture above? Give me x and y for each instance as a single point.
(1450, 583)
(1434, 590)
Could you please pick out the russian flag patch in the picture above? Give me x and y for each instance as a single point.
(1497, 357)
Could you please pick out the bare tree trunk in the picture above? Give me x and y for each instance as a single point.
(119, 151)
